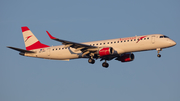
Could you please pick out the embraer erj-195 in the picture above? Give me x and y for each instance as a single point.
(119, 49)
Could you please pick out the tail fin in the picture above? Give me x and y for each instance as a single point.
(31, 42)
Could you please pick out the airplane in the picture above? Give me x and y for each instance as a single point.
(119, 49)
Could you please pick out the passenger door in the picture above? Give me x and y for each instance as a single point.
(153, 39)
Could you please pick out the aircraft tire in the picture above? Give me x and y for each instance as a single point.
(105, 64)
(159, 55)
(92, 61)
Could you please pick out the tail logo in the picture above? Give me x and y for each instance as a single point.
(28, 37)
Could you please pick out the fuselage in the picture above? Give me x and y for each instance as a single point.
(120, 46)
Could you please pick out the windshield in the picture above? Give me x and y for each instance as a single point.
(163, 36)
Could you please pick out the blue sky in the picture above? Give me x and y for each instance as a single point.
(147, 78)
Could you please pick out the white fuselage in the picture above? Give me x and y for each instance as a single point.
(120, 45)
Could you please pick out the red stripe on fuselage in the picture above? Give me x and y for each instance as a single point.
(36, 45)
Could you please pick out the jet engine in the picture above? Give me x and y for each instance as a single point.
(126, 57)
(106, 51)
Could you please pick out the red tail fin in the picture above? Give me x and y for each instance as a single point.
(31, 42)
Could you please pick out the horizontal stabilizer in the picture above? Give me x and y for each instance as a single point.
(20, 50)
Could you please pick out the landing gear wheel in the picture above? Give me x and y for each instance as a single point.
(158, 50)
(92, 61)
(105, 64)
(159, 55)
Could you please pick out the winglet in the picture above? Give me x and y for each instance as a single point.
(50, 35)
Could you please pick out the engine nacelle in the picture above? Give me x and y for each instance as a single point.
(106, 51)
(126, 57)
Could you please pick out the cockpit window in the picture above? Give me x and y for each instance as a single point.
(163, 36)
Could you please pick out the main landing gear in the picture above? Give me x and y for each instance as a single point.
(158, 50)
(92, 61)
(104, 64)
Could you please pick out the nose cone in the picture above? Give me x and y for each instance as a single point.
(173, 43)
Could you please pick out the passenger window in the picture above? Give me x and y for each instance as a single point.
(117, 41)
(147, 38)
(114, 41)
(104, 43)
(107, 42)
(121, 41)
(111, 42)
(59, 48)
(124, 40)
(100, 43)
(127, 40)
(97, 44)
(62, 48)
(144, 38)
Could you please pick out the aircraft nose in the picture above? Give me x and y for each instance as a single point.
(173, 43)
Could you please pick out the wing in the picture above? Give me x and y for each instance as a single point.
(86, 49)
(69, 43)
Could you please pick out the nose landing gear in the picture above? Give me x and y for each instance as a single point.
(159, 55)
(158, 50)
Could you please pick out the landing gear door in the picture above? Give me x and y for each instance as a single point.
(153, 39)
